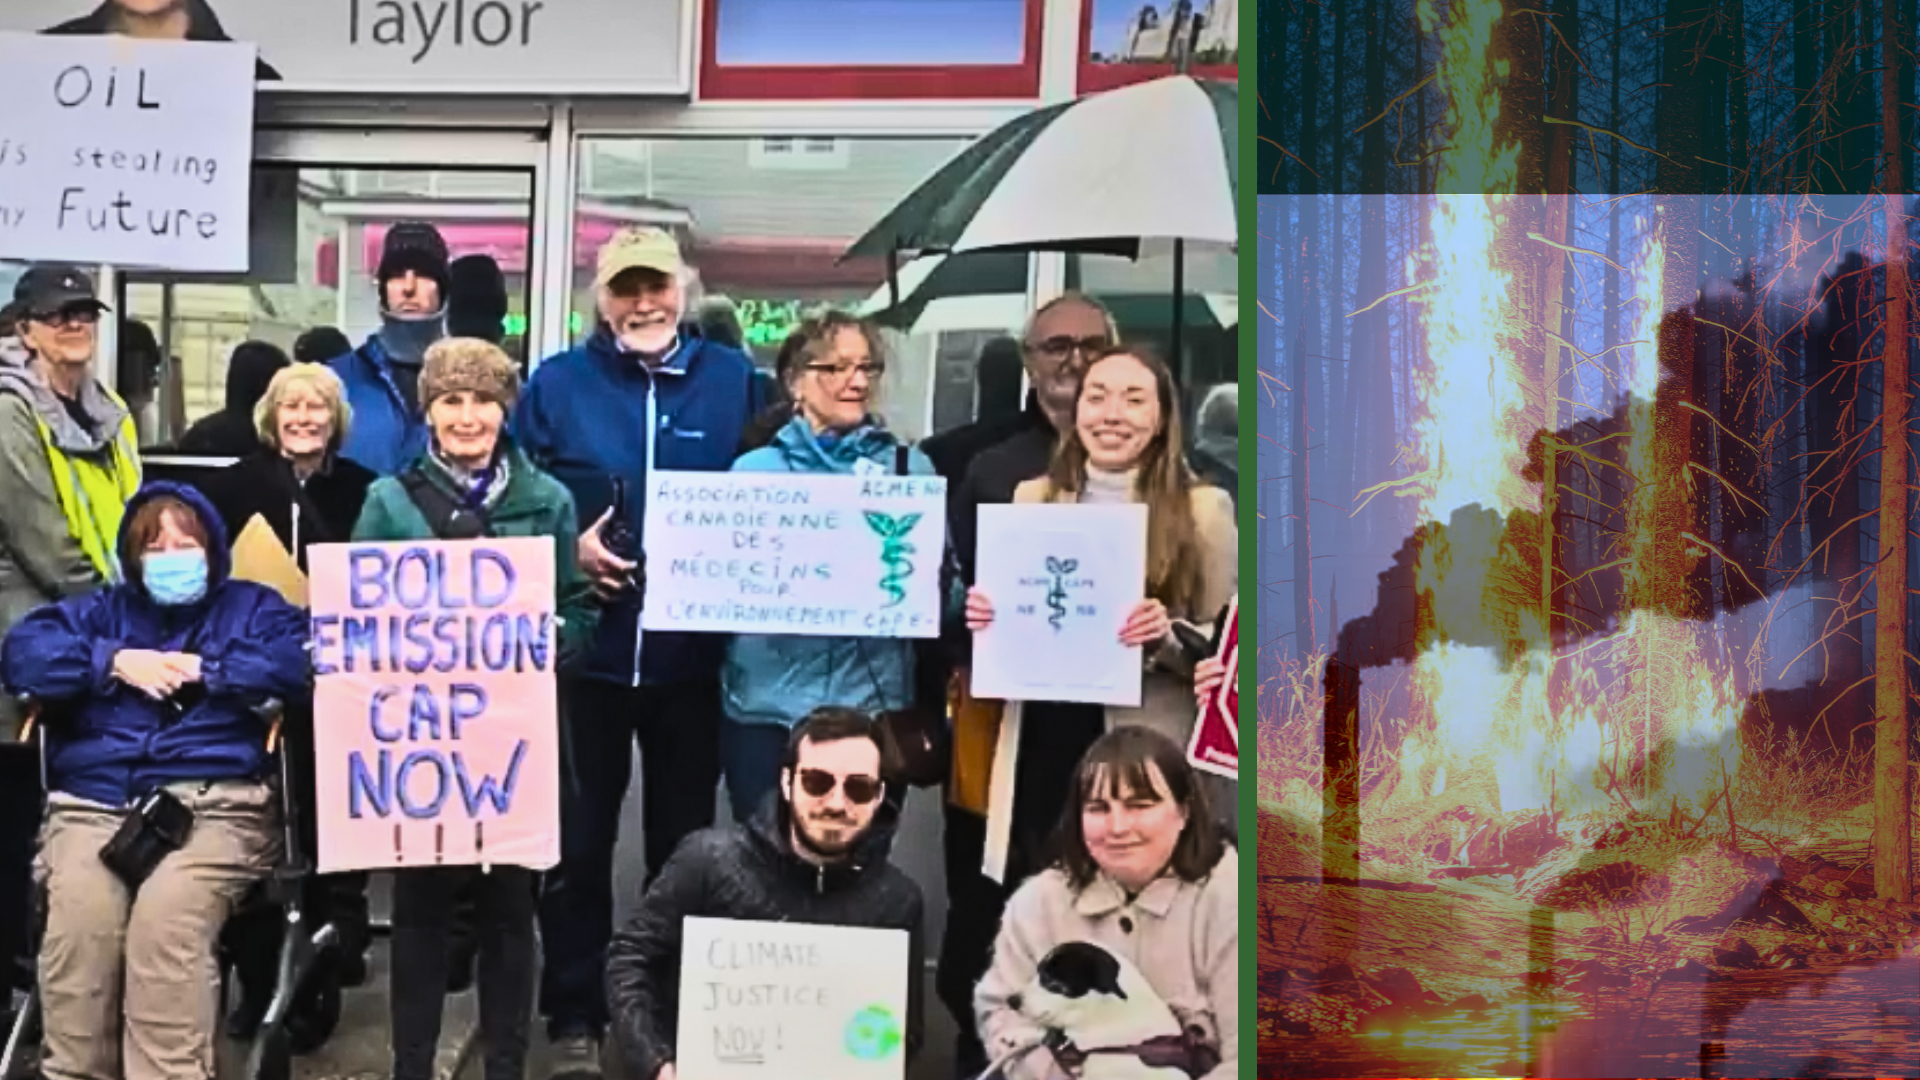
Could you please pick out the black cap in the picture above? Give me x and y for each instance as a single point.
(415, 246)
(47, 288)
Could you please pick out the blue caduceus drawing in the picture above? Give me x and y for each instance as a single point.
(1057, 592)
(894, 549)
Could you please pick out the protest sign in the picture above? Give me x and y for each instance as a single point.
(436, 739)
(135, 153)
(1062, 580)
(1215, 746)
(791, 1000)
(779, 553)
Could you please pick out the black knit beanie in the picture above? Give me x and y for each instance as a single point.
(477, 299)
(415, 246)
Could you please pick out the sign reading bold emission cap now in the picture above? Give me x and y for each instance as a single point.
(780, 553)
(134, 153)
(791, 1001)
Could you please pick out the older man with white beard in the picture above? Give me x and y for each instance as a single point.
(645, 391)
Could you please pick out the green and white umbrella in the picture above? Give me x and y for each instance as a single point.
(1154, 161)
(988, 291)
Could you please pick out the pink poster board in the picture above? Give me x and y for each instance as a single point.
(1216, 737)
(436, 734)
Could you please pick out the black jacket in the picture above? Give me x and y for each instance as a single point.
(262, 483)
(953, 451)
(231, 432)
(748, 872)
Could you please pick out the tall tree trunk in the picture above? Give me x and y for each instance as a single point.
(1892, 779)
(1516, 42)
(1806, 85)
(1564, 104)
(1310, 403)
(1338, 177)
(1681, 113)
(1833, 480)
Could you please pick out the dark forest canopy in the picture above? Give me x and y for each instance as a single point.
(1619, 96)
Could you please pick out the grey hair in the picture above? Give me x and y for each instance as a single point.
(1063, 300)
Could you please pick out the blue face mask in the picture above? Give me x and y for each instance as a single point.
(175, 577)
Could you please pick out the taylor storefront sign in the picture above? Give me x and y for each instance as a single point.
(470, 46)
(128, 152)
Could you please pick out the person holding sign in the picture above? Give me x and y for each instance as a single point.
(1125, 447)
(770, 680)
(159, 817)
(472, 482)
(1144, 874)
(175, 20)
(816, 853)
(645, 391)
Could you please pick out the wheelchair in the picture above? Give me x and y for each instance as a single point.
(303, 949)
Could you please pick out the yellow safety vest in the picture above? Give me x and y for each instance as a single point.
(93, 494)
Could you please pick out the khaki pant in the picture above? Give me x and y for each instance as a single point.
(147, 957)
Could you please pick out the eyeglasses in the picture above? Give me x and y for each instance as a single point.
(861, 790)
(843, 372)
(1062, 345)
(73, 316)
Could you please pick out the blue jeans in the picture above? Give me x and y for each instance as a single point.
(750, 755)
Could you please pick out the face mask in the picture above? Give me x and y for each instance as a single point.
(175, 577)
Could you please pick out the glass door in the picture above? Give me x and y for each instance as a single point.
(322, 205)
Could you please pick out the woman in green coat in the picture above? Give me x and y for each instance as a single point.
(472, 482)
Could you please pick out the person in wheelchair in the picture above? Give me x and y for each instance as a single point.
(159, 817)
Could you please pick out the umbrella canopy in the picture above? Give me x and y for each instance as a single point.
(988, 291)
(1154, 161)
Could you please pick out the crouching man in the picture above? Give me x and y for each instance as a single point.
(811, 855)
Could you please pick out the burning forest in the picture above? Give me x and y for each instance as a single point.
(1608, 768)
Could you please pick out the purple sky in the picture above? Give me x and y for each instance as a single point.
(871, 31)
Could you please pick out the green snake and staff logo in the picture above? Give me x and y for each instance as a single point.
(1057, 591)
(873, 1033)
(894, 549)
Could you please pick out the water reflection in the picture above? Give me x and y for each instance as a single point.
(1849, 1022)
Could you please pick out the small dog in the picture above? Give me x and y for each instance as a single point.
(1105, 1022)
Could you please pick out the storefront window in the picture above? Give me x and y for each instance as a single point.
(763, 223)
(1205, 362)
(317, 234)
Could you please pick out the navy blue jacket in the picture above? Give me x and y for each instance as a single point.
(111, 743)
(385, 435)
(591, 414)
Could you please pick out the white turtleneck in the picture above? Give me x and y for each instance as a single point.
(1109, 487)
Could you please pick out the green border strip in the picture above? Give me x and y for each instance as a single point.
(1250, 295)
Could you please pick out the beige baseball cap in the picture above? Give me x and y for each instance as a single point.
(638, 248)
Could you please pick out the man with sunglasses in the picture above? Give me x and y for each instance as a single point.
(69, 461)
(813, 854)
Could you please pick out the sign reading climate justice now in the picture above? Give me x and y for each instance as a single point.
(436, 738)
(760, 1000)
(778, 553)
(134, 153)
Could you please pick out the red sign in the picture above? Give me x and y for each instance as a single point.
(1216, 736)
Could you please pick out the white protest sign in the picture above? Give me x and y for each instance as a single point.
(791, 1001)
(784, 553)
(136, 153)
(1062, 580)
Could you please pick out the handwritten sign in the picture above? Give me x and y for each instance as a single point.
(1062, 580)
(136, 153)
(1215, 746)
(791, 1000)
(436, 739)
(777, 553)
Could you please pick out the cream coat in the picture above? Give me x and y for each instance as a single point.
(1166, 698)
(1184, 937)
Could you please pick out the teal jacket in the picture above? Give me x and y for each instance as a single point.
(780, 678)
(531, 504)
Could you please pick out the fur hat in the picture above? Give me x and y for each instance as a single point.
(469, 364)
(415, 246)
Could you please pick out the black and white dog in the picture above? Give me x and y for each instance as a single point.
(1104, 1022)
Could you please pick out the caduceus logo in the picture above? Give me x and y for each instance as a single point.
(1057, 591)
(894, 549)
